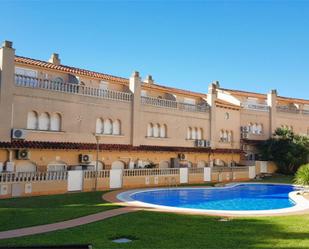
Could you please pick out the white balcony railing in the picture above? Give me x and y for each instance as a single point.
(30, 82)
(150, 172)
(255, 106)
(174, 104)
(33, 176)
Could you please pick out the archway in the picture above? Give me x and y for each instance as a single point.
(201, 164)
(118, 165)
(164, 165)
(25, 166)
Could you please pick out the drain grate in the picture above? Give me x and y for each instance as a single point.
(122, 240)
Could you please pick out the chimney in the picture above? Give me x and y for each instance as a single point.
(55, 59)
(216, 83)
(149, 79)
(7, 44)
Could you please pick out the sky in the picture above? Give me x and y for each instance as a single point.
(246, 45)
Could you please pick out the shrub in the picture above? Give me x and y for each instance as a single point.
(286, 149)
(302, 175)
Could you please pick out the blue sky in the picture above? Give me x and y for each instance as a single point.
(247, 45)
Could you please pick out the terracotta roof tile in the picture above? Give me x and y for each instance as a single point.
(73, 70)
(20, 144)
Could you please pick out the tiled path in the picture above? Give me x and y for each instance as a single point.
(65, 224)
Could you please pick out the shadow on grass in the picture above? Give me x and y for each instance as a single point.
(31, 211)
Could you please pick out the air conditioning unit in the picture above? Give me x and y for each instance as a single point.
(199, 143)
(206, 143)
(85, 158)
(181, 156)
(18, 134)
(244, 135)
(22, 154)
(244, 129)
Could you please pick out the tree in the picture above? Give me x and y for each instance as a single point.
(286, 149)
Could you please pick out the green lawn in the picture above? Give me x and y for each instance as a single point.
(30, 211)
(158, 230)
(277, 179)
(149, 229)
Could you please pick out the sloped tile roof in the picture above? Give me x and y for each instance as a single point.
(21, 144)
(68, 69)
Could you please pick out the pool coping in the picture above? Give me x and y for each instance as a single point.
(122, 197)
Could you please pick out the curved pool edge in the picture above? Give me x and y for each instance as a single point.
(301, 203)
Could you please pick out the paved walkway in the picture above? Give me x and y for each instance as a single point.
(65, 224)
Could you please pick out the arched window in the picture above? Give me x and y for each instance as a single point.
(108, 128)
(44, 121)
(259, 129)
(225, 136)
(163, 131)
(189, 132)
(99, 126)
(150, 130)
(194, 131)
(32, 120)
(55, 124)
(221, 135)
(156, 130)
(254, 129)
(229, 136)
(200, 133)
(116, 127)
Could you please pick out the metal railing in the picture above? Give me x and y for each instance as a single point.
(33, 176)
(255, 106)
(150, 172)
(31, 82)
(174, 104)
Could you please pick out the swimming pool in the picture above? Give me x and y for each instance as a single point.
(251, 198)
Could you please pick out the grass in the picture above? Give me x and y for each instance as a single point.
(30, 211)
(277, 178)
(162, 230)
(149, 229)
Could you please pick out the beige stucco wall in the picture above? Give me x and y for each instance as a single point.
(42, 158)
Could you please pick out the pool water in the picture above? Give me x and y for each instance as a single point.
(240, 197)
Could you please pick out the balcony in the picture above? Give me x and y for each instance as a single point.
(165, 103)
(283, 108)
(30, 82)
(255, 107)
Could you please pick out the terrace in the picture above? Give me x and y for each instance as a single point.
(255, 106)
(172, 104)
(292, 109)
(70, 88)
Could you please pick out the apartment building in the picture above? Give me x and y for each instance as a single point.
(56, 117)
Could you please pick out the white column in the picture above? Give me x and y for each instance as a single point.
(252, 173)
(207, 174)
(184, 175)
